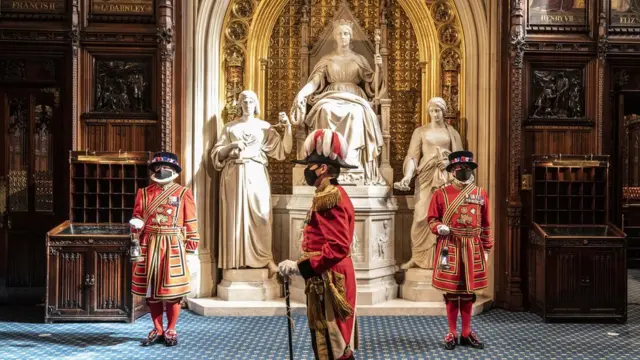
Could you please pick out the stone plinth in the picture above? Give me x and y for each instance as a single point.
(402, 307)
(248, 285)
(219, 307)
(417, 286)
(372, 249)
(395, 307)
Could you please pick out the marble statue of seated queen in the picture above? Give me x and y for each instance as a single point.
(341, 92)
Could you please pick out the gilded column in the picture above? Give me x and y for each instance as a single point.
(301, 133)
(234, 76)
(262, 81)
(385, 104)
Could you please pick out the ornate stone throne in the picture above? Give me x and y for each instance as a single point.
(310, 54)
(373, 245)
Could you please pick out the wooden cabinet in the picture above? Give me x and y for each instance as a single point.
(579, 272)
(630, 183)
(577, 258)
(88, 264)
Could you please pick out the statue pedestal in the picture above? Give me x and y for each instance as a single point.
(248, 285)
(373, 243)
(417, 286)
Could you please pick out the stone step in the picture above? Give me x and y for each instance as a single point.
(276, 307)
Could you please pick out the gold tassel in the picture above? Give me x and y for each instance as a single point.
(341, 308)
(314, 289)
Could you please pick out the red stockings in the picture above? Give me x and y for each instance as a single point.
(464, 304)
(173, 312)
(466, 307)
(156, 309)
(452, 314)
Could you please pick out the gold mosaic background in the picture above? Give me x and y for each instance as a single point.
(404, 71)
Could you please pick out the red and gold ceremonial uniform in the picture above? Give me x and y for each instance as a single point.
(170, 231)
(327, 268)
(465, 210)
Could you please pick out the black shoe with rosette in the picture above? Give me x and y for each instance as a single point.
(450, 341)
(471, 340)
(171, 337)
(152, 338)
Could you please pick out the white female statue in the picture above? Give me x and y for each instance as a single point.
(427, 158)
(340, 104)
(245, 191)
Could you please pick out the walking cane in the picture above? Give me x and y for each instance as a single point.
(289, 319)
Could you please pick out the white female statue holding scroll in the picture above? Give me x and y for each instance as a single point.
(427, 159)
(338, 102)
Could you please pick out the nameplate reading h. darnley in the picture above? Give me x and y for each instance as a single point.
(123, 7)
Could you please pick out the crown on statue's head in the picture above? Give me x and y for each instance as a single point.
(342, 22)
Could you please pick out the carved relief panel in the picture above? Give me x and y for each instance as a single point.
(121, 109)
(556, 96)
(381, 241)
(122, 86)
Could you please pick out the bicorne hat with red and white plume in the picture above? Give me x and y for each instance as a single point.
(324, 146)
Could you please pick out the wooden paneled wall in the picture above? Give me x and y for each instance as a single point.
(111, 66)
(120, 65)
(560, 101)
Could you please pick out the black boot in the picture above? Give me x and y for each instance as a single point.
(450, 341)
(171, 338)
(471, 340)
(153, 337)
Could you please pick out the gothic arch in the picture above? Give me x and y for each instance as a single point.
(206, 99)
(268, 12)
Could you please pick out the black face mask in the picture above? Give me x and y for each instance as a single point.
(462, 174)
(163, 174)
(310, 176)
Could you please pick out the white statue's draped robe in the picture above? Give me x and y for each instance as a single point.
(340, 104)
(245, 194)
(423, 151)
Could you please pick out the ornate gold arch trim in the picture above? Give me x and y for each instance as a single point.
(248, 25)
(451, 76)
(267, 14)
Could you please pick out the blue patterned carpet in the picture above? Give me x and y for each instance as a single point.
(506, 335)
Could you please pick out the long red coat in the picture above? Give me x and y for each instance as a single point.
(466, 212)
(170, 231)
(326, 264)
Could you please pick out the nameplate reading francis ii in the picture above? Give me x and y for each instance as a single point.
(35, 6)
(122, 7)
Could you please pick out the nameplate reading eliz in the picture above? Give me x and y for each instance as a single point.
(35, 6)
(122, 7)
